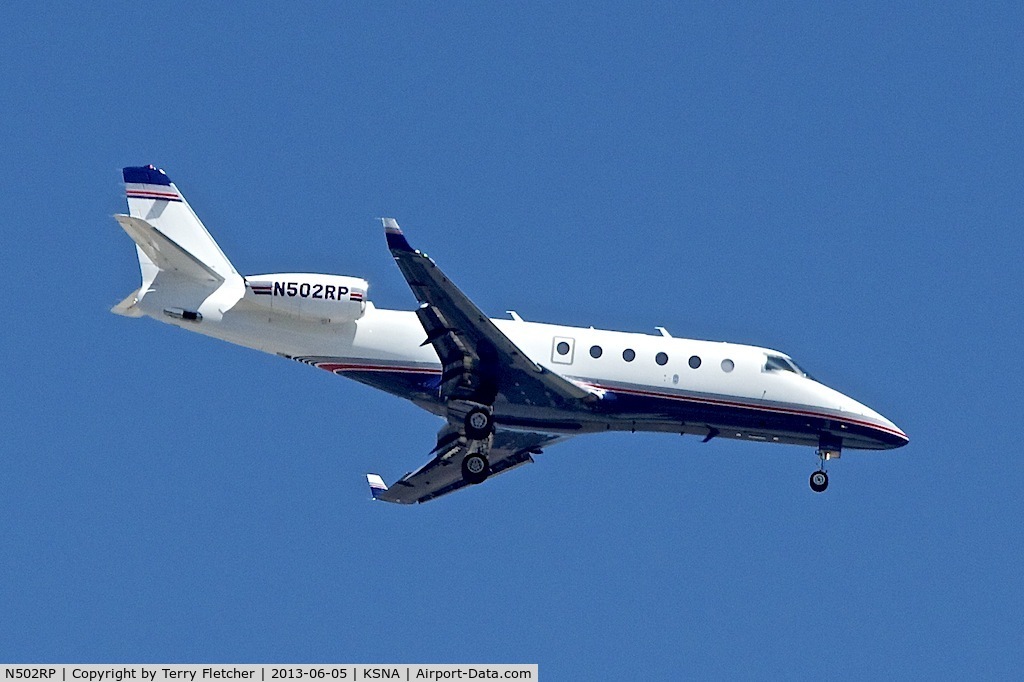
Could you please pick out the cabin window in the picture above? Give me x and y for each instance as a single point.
(628, 355)
(595, 352)
(661, 358)
(562, 350)
(728, 365)
(694, 362)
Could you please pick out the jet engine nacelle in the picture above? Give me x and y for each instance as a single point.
(310, 296)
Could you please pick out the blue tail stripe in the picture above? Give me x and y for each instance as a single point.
(145, 175)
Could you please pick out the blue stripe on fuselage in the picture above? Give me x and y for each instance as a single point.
(621, 406)
(750, 419)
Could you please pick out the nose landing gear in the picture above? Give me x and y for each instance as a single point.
(828, 448)
(819, 481)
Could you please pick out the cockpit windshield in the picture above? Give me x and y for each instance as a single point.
(778, 362)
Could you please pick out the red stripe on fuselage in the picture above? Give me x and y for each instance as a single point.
(346, 367)
(760, 408)
(349, 367)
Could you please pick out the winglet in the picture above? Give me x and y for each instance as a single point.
(396, 240)
(377, 487)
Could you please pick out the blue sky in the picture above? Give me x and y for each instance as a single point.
(843, 184)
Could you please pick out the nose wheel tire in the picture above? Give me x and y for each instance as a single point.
(819, 481)
(479, 423)
(475, 468)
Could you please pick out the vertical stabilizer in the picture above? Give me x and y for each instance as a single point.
(154, 198)
(184, 272)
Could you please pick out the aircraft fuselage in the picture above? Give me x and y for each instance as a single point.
(505, 388)
(646, 382)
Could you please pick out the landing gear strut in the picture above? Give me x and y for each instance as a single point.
(477, 431)
(828, 448)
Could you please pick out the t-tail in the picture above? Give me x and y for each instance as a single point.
(187, 279)
(184, 272)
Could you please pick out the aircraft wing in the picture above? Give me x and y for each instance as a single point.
(479, 360)
(443, 474)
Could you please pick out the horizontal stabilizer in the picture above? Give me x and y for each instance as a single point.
(193, 286)
(167, 254)
(127, 306)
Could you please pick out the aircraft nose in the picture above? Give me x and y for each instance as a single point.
(885, 430)
(866, 426)
(895, 436)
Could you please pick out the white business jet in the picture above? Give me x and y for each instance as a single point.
(505, 388)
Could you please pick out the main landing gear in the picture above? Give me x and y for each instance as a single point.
(478, 429)
(479, 423)
(475, 468)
